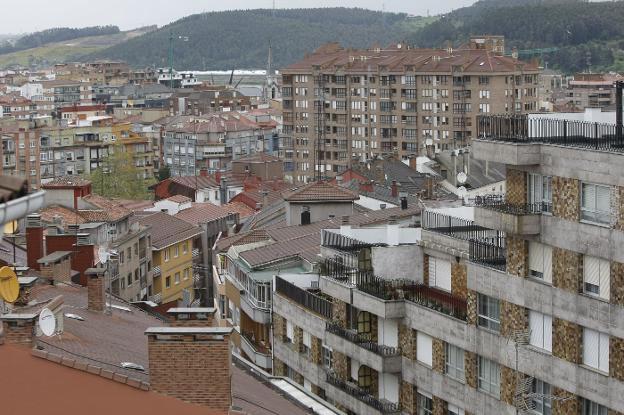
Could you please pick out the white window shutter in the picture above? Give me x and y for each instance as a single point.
(605, 279)
(424, 348)
(432, 271)
(290, 330)
(306, 339)
(443, 274)
(548, 333)
(548, 263)
(603, 358)
(590, 347)
(536, 325)
(589, 196)
(603, 199)
(591, 270)
(536, 256)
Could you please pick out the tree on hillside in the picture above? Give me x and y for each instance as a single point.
(118, 177)
(164, 173)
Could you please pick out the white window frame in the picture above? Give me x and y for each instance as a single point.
(590, 211)
(540, 327)
(454, 364)
(489, 376)
(307, 343)
(597, 277)
(596, 349)
(455, 410)
(539, 191)
(540, 261)
(593, 408)
(424, 403)
(541, 392)
(491, 318)
(424, 348)
(440, 273)
(328, 358)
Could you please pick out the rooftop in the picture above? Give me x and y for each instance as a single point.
(167, 230)
(320, 191)
(200, 213)
(66, 182)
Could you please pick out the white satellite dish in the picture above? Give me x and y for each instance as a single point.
(47, 322)
(462, 192)
(103, 255)
(462, 177)
(429, 142)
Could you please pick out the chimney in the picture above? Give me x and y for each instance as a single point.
(395, 189)
(392, 231)
(192, 316)
(95, 289)
(223, 190)
(258, 205)
(34, 240)
(366, 187)
(403, 202)
(345, 226)
(265, 197)
(56, 267)
(412, 163)
(191, 364)
(18, 328)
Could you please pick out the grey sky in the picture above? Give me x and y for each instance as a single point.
(33, 15)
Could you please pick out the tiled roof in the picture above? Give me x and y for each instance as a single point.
(167, 230)
(242, 209)
(66, 215)
(66, 181)
(202, 213)
(179, 199)
(114, 210)
(195, 182)
(309, 244)
(320, 191)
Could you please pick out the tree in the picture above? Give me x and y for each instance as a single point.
(164, 173)
(118, 177)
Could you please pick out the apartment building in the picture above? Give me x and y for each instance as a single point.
(20, 152)
(592, 90)
(396, 100)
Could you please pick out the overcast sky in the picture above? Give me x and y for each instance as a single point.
(33, 15)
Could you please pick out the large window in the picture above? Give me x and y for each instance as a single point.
(364, 322)
(489, 376)
(592, 408)
(454, 410)
(489, 312)
(365, 377)
(440, 273)
(424, 348)
(540, 191)
(425, 404)
(328, 360)
(596, 276)
(596, 349)
(540, 261)
(596, 203)
(542, 404)
(540, 326)
(454, 357)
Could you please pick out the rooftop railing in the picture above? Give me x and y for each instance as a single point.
(526, 129)
(363, 395)
(456, 227)
(364, 340)
(304, 298)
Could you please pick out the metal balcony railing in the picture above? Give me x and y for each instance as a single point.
(488, 254)
(456, 227)
(304, 298)
(363, 340)
(438, 300)
(498, 204)
(525, 129)
(363, 395)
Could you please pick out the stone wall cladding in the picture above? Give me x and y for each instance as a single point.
(374, 389)
(279, 367)
(567, 340)
(20, 332)
(279, 327)
(567, 270)
(617, 283)
(426, 270)
(340, 312)
(407, 341)
(459, 280)
(516, 187)
(616, 358)
(508, 385)
(374, 328)
(471, 307)
(440, 407)
(514, 318)
(341, 365)
(619, 208)
(470, 367)
(566, 198)
(316, 352)
(298, 339)
(570, 406)
(517, 256)
(438, 362)
(407, 398)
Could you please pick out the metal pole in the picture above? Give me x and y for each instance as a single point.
(619, 85)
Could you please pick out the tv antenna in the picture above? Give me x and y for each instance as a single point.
(104, 255)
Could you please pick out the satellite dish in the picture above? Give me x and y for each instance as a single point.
(462, 177)
(9, 286)
(47, 322)
(429, 142)
(103, 255)
(462, 192)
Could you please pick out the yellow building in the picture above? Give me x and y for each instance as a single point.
(172, 256)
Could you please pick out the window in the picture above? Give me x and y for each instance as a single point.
(129, 278)
(424, 348)
(540, 192)
(307, 343)
(542, 404)
(365, 377)
(592, 408)
(168, 282)
(222, 306)
(596, 349)
(454, 410)
(185, 247)
(177, 278)
(440, 273)
(167, 254)
(425, 404)
(540, 326)
(290, 332)
(176, 251)
(540, 261)
(186, 274)
(596, 277)
(327, 357)
(489, 376)
(129, 252)
(596, 203)
(489, 312)
(364, 322)
(454, 362)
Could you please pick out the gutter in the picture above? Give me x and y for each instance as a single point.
(20, 208)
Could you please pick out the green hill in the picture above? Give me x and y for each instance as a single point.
(240, 39)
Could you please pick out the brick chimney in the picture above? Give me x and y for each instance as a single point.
(395, 189)
(34, 240)
(56, 267)
(412, 163)
(191, 364)
(95, 289)
(192, 317)
(19, 328)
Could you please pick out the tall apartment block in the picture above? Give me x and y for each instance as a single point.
(514, 306)
(346, 105)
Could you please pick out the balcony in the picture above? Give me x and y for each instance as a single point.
(514, 219)
(156, 272)
(488, 254)
(439, 300)
(449, 231)
(360, 346)
(257, 352)
(306, 299)
(379, 406)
